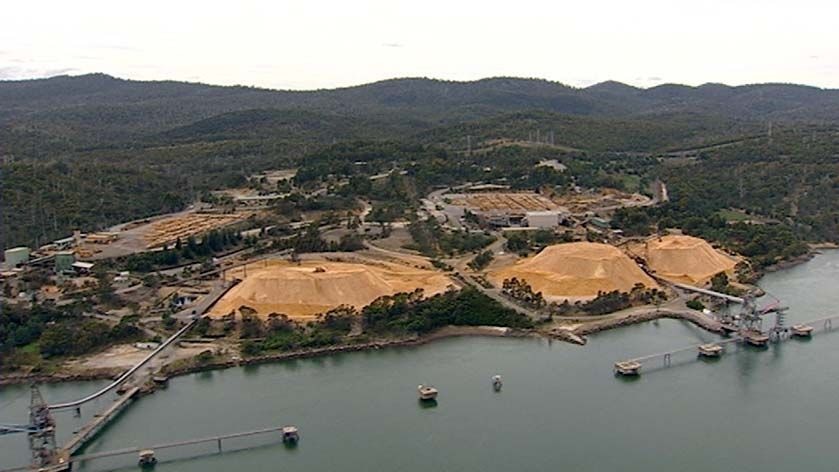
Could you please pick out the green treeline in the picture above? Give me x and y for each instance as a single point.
(398, 315)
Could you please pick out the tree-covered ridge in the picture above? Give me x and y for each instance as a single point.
(643, 134)
(792, 178)
(761, 198)
(430, 99)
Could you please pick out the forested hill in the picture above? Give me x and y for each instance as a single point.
(89, 151)
(158, 106)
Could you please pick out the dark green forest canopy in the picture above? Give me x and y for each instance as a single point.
(91, 151)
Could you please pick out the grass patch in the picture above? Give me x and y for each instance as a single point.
(732, 215)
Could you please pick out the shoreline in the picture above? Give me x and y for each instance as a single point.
(16, 378)
(442, 333)
(576, 336)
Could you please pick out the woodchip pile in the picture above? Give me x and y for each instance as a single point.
(313, 287)
(685, 259)
(576, 271)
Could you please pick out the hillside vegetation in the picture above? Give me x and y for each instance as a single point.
(90, 151)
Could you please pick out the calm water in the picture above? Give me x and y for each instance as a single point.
(561, 407)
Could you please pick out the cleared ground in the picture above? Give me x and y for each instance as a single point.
(305, 290)
(126, 355)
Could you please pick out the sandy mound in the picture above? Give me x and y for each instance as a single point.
(313, 287)
(685, 259)
(576, 271)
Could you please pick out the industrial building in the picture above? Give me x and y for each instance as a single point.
(545, 219)
(16, 256)
(65, 243)
(82, 268)
(64, 261)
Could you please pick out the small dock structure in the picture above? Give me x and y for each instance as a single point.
(710, 350)
(427, 392)
(628, 368)
(146, 459)
(755, 338)
(290, 435)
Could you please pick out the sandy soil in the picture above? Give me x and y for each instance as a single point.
(123, 355)
(312, 287)
(576, 271)
(126, 356)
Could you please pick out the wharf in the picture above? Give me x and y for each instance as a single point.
(92, 427)
(745, 337)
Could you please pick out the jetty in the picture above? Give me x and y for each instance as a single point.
(282, 433)
(632, 367)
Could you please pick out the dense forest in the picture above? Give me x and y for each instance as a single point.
(91, 151)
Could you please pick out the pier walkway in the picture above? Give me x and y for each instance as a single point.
(823, 324)
(92, 427)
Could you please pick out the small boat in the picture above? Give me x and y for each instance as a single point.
(801, 330)
(710, 350)
(427, 392)
(628, 368)
(290, 434)
(496, 383)
(147, 459)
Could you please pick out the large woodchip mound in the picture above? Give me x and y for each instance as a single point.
(576, 271)
(313, 287)
(686, 259)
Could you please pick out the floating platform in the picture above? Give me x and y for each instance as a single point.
(755, 338)
(427, 392)
(628, 368)
(147, 459)
(801, 330)
(290, 434)
(728, 328)
(710, 350)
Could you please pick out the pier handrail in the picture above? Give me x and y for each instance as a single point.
(127, 374)
(188, 442)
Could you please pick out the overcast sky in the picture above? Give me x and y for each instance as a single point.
(319, 44)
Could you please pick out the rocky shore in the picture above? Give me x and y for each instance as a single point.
(40, 377)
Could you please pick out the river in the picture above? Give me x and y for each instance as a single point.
(561, 407)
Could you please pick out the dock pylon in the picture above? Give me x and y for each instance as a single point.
(41, 430)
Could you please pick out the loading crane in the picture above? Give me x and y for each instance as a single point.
(749, 322)
(40, 430)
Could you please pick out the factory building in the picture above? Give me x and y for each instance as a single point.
(545, 219)
(16, 256)
(64, 261)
